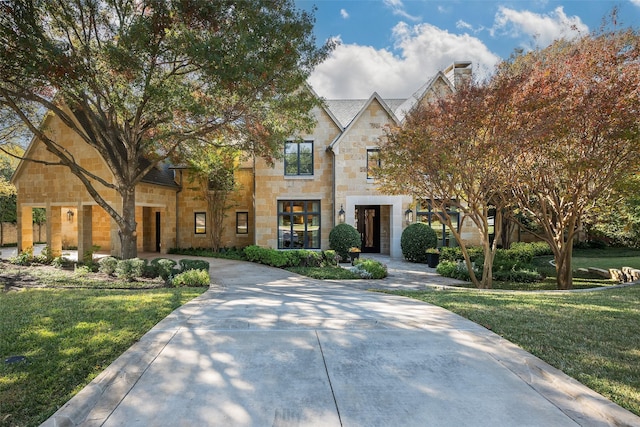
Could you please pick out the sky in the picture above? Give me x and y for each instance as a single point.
(393, 47)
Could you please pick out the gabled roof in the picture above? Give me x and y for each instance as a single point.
(349, 108)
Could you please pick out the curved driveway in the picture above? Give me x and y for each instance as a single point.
(264, 347)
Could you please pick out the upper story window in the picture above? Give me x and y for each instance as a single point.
(373, 162)
(298, 158)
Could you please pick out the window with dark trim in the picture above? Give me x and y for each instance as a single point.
(426, 213)
(298, 158)
(298, 224)
(373, 162)
(242, 222)
(200, 220)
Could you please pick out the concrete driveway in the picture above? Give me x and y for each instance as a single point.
(264, 347)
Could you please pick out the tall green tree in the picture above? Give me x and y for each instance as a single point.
(136, 79)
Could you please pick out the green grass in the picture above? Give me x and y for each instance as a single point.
(68, 337)
(591, 336)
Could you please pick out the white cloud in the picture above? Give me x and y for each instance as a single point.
(344, 14)
(543, 28)
(355, 71)
(397, 8)
(636, 2)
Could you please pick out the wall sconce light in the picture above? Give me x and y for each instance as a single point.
(408, 216)
(341, 215)
(70, 215)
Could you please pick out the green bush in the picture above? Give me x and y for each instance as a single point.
(517, 275)
(107, 265)
(130, 269)
(194, 264)
(415, 240)
(330, 257)
(191, 278)
(455, 270)
(343, 237)
(272, 257)
(163, 267)
(369, 268)
(23, 258)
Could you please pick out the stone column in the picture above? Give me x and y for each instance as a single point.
(25, 228)
(54, 230)
(85, 230)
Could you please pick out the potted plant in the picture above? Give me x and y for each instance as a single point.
(354, 253)
(433, 257)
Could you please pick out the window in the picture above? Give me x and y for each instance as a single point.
(298, 158)
(299, 224)
(242, 222)
(200, 222)
(373, 162)
(425, 213)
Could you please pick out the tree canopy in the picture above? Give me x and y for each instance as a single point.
(135, 79)
(554, 131)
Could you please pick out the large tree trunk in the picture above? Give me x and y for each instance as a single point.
(564, 271)
(127, 232)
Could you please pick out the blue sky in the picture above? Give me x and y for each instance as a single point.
(394, 46)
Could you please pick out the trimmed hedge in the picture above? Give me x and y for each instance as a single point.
(342, 238)
(290, 258)
(415, 240)
(369, 268)
(194, 264)
(191, 278)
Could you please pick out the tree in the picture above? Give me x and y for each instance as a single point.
(136, 79)
(578, 132)
(213, 172)
(448, 153)
(7, 191)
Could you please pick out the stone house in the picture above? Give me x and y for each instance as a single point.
(324, 178)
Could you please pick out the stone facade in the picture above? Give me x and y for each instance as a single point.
(271, 208)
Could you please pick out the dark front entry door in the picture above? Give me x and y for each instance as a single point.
(158, 233)
(369, 227)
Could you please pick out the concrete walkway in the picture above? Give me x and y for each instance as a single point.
(264, 347)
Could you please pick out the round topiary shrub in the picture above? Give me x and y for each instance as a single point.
(415, 240)
(343, 237)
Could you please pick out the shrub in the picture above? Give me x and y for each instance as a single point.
(130, 269)
(375, 269)
(23, 258)
(268, 256)
(330, 257)
(415, 240)
(191, 278)
(194, 264)
(517, 275)
(343, 237)
(59, 262)
(163, 267)
(107, 265)
(455, 270)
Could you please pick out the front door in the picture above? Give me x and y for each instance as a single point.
(368, 224)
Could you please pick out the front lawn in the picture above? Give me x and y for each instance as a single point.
(591, 336)
(68, 337)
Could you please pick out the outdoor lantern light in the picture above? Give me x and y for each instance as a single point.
(408, 216)
(69, 215)
(341, 215)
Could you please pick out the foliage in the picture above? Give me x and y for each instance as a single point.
(593, 336)
(191, 278)
(163, 267)
(68, 338)
(137, 81)
(455, 270)
(290, 258)
(23, 258)
(369, 268)
(343, 237)
(213, 172)
(325, 273)
(226, 253)
(194, 264)
(415, 240)
(108, 265)
(447, 152)
(330, 257)
(130, 269)
(576, 115)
